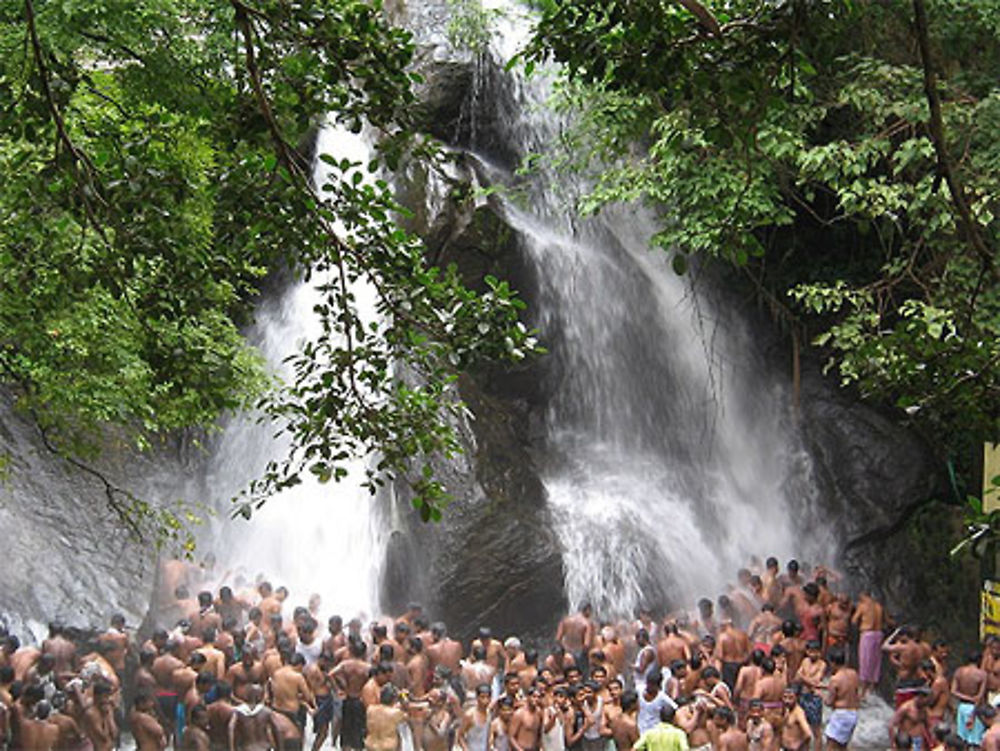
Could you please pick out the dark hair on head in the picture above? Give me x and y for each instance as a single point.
(592, 685)
(198, 709)
(724, 602)
(382, 668)
(379, 630)
(813, 644)
(767, 607)
(667, 713)
(531, 657)
(181, 592)
(506, 701)
(598, 656)
(205, 678)
(225, 593)
(710, 672)
(274, 618)
(388, 694)
(927, 665)
(986, 712)
(755, 580)
(479, 652)
(756, 704)
(209, 635)
(356, 647)
(254, 613)
(629, 699)
(836, 656)
(421, 622)
(101, 688)
(654, 678)
(771, 562)
(756, 656)
(297, 659)
(204, 599)
(938, 643)
(704, 604)
(197, 658)
(223, 690)
(767, 665)
(725, 714)
(793, 565)
(401, 627)
(642, 635)
(788, 628)
(777, 650)
(820, 581)
(615, 680)
(13, 643)
(483, 688)
(974, 656)
(335, 620)
(509, 676)
(282, 590)
(416, 644)
(695, 662)
(386, 653)
(563, 691)
(795, 687)
(811, 589)
(677, 665)
(485, 632)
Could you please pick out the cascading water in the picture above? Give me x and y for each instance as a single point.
(671, 453)
(326, 539)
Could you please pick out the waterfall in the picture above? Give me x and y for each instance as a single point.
(671, 455)
(326, 539)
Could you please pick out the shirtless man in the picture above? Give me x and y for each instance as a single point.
(869, 618)
(252, 726)
(905, 653)
(443, 650)
(796, 735)
(418, 668)
(793, 645)
(844, 698)
(991, 664)
(146, 728)
(247, 671)
(437, 722)
(614, 650)
(35, 732)
(726, 735)
(215, 658)
(838, 622)
(493, 649)
(910, 721)
(732, 647)
(763, 627)
(62, 650)
(350, 676)
(290, 693)
(477, 671)
(968, 687)
(746, 681)
(760, 733)
(98, 718)
(499, 736)
(196, 736)
(383, 721)
(526, 724)
(336, 638)
(576, 633)
(220, 712)
(23, 659)
(692, 717)
(812, 671)
(672, 646)
(770, 690)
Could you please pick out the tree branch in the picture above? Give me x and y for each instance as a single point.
(936, 128)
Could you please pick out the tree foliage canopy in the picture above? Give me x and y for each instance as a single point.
(841, 155)
(153, 171)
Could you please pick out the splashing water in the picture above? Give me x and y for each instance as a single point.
(326, 539)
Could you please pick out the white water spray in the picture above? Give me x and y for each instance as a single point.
(326, 539)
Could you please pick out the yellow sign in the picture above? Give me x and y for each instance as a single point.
(991, 468)
(989, 617)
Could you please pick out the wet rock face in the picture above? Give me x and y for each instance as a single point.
(66, 555)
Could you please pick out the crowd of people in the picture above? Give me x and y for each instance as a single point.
(782, 660)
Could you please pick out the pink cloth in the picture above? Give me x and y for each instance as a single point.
(870, 656)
